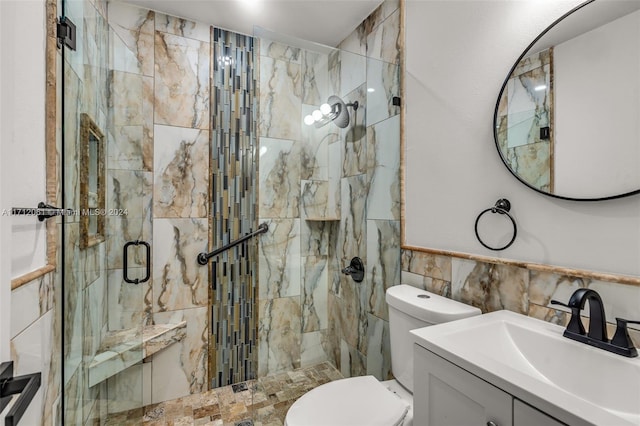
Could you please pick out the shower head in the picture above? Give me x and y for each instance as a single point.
(335, 110)
(338, 106)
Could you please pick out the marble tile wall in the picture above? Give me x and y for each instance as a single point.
(330, 194)
(493, 287)
(158, 168)
(298, 189)
(369, 226)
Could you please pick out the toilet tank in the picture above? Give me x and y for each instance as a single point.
(411, 308)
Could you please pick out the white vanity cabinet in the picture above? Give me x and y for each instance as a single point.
(447, 395)
(526, 415)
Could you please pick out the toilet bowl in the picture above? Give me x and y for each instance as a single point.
(364, 401)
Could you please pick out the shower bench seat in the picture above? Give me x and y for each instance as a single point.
(121, 349)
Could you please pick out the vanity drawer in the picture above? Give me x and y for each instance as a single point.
(526, 415)
(447, 395)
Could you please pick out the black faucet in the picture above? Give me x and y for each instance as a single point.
(621, 343)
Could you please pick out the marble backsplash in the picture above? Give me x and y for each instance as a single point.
(493, 287)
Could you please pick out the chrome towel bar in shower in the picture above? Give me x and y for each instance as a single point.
(203, 258)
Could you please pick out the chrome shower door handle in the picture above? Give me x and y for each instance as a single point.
(125, 262)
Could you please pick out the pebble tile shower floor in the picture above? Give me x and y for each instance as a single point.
(264, 403)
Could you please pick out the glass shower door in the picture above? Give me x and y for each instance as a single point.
(106, 241)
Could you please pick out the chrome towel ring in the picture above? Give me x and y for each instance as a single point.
(502, 206)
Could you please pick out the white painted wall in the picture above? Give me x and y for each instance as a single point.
(602, 66)
(5, 229)
(22, 170)
(458, 55)
(24, 53)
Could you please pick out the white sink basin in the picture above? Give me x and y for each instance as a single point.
(531, 360)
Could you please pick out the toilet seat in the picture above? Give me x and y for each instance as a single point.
(357, 401)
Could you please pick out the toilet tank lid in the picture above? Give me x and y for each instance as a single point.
(433, 309)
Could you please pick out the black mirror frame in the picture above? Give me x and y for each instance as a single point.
(495, 118)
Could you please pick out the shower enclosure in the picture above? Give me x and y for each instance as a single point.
(158, 159)
(161, 145)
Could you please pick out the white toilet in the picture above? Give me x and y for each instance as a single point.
(364, 401)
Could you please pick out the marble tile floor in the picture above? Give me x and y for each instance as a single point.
(265, 402)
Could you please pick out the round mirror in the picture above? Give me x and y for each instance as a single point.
(567, 120)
